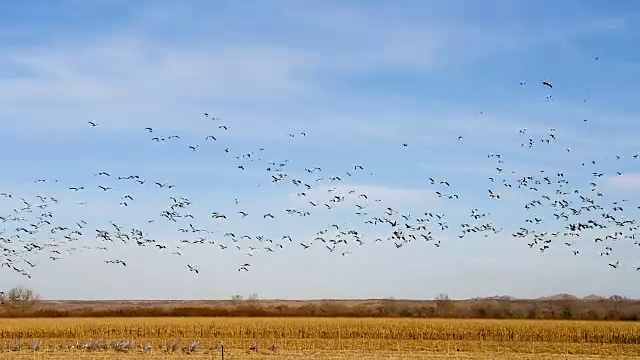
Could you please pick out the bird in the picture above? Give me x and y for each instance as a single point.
(577, 209)
(244, 267)
(193, 268)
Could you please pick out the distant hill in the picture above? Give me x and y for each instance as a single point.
(559, 297)
(556, 297)
(495, 297)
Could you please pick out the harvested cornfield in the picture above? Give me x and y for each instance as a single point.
(317, 338)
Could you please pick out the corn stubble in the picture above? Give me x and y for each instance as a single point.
(318, 338)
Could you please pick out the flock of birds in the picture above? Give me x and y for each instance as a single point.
(29, 225)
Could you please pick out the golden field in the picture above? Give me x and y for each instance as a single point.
(318, 338)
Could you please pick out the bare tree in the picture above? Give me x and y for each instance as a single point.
(444, 305)
(20, 296)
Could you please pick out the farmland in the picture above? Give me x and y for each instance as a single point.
(316, 338)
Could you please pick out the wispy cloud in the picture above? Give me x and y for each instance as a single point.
(629, 181)
(133, 70)
(609, 23)
(389, 39)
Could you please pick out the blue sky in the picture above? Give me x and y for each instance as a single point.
(360, 79)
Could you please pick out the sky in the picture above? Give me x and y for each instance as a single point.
(380, 97)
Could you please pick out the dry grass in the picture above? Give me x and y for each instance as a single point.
(628, 310)
(322, 338)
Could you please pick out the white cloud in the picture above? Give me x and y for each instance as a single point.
(609, 23)
(122, 83)
(629, 181)
(136, 69)
(362, 40)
